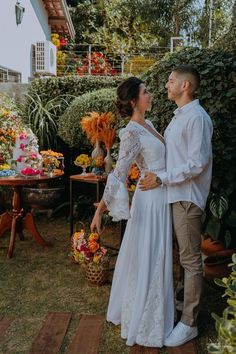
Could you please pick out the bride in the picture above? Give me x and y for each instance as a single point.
(141, 298)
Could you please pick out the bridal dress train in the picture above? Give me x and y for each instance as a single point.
(141, 298)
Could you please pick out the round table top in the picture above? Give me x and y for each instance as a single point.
(26, 181)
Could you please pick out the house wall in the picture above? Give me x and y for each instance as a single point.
(16, 41)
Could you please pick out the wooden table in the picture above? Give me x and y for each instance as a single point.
(17, 220)
(98, 181)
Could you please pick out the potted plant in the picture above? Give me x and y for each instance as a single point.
(219, 223)
(219, 227)
(226, 325)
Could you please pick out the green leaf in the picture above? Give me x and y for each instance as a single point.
(220, 282)
(234, 258)
(219, 206)
(214, 348)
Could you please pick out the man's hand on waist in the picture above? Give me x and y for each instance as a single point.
(149, 181)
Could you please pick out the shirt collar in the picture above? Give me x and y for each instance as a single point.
(186, 107)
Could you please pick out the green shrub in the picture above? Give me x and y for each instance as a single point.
(49, 88)
(226, 325)
(61, 90)
(217, 94)
(69, 128)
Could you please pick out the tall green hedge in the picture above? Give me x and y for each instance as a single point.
(217, 94)
(69, 128)
(67, 87)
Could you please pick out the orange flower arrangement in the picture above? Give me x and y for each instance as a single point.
(90, 126)
(100, 126)
(51, 153)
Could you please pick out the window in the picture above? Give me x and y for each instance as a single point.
(8, 75)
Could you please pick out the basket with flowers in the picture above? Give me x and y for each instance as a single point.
(88, 252)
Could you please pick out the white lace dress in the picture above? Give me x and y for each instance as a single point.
(141, 298)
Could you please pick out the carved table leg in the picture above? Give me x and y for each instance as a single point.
(5, 223)
(29, 224)
(16, 214)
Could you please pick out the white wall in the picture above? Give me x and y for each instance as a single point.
(16, 41)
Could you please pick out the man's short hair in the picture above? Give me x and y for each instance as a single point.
(189, 70)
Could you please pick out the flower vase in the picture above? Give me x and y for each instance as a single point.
(108, 161)
(97, 151)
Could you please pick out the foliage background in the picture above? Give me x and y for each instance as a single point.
(217, 94)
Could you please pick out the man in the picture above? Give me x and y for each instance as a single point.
(188, 178)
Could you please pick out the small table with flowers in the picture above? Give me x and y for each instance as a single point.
(17, 220)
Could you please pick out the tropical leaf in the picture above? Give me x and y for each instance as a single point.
(219, 206)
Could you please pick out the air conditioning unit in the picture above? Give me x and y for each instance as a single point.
(45, 58)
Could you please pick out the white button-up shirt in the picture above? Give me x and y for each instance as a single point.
(188, 155)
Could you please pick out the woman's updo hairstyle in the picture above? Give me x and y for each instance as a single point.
(127, 91)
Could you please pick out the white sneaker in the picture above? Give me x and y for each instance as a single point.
(180, 335)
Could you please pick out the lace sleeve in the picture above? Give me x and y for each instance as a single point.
(116, 195)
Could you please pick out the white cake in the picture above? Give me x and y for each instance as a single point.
(25, 152)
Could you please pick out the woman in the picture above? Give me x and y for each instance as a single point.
(141, 297)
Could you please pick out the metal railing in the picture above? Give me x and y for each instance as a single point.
(96, 60)
(9, 75)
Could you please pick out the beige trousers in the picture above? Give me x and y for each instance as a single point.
(187, 228)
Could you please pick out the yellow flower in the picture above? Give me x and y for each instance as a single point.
(5, 166)
(82, 159)
(96, 259)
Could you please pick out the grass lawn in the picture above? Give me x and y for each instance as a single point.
(38, 280)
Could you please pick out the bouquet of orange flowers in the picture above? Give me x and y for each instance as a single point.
(51, 153)
(133, 177)
(87, 250)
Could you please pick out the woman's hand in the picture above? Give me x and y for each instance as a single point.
(96, 224)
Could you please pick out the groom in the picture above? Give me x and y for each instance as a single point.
(188, 178)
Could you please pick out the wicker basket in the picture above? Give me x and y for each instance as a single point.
(97, 274)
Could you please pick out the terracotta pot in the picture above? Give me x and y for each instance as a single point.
(210, 247)
(217, 266)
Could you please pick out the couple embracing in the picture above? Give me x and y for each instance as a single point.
(170, 198)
